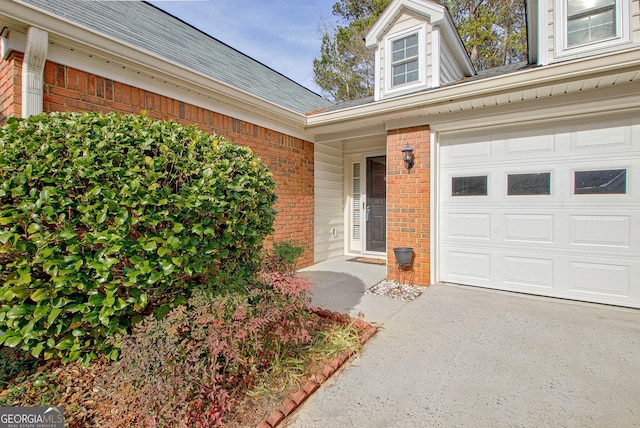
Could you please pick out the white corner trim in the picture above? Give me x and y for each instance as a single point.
(35, 57)
(434, 208)
(378, 86)
(543, 37)
(436, 55)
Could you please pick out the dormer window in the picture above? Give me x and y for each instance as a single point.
(590, 21)
(416, 48)
(405, 61)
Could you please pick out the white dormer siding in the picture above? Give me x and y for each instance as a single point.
(450, 70)
(416, 48)
(571, 29)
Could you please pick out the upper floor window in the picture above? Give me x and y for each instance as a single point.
(590, 21)
(404, 63)
(589, 26)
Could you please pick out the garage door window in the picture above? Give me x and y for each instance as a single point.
(608, 181)
(529, 184)
(469, 186)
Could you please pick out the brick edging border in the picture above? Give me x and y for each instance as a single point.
(296, 400)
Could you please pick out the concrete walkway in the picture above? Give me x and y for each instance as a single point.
(470, 357)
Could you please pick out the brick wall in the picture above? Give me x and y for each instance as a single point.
(10, 87)
(289, 159)
(408, 202)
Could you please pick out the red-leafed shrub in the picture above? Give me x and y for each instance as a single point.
(180, 371)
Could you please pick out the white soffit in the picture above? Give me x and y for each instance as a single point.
(543, 86)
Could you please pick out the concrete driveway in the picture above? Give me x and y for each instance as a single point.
(470, 357)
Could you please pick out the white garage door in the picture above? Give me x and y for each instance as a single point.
(552, 210)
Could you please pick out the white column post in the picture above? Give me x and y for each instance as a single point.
(35, 57)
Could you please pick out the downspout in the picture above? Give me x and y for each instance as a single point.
(35, 57)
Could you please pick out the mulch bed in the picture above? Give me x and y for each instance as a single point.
(78, 393)
(292, 403)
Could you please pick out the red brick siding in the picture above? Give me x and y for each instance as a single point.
(408, 201)
(289, 159)
(11, 87)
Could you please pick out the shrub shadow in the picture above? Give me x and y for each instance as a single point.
(336, 291)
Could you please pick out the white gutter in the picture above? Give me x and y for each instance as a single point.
(35, 57)
(476, 89)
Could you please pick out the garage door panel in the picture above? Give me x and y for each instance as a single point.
(565, 232)
(529, 228)
(527, 271)
(468, 266)
(608, 279)
(528, 145)
(604, 139)
(553, 240)
(469, 226)
(472, 150)
(601, 230)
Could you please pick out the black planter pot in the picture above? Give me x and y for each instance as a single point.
(404, 256)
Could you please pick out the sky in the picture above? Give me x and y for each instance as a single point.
(281, 34)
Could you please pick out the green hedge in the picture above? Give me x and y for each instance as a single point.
(105, 218)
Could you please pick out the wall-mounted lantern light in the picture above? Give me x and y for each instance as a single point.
(407, 157)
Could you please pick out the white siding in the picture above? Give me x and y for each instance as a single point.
(449, 70)
(329, 197)
(366, 145)
(332, 192)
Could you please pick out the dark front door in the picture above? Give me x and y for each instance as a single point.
(376, 209)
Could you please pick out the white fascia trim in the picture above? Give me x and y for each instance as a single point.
(73, 36)
(530, 78)
(618, 98)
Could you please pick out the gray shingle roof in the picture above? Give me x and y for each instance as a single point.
(482, 74)
(144, 26)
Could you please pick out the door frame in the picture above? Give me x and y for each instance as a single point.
(352, 246)
(363, 214)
